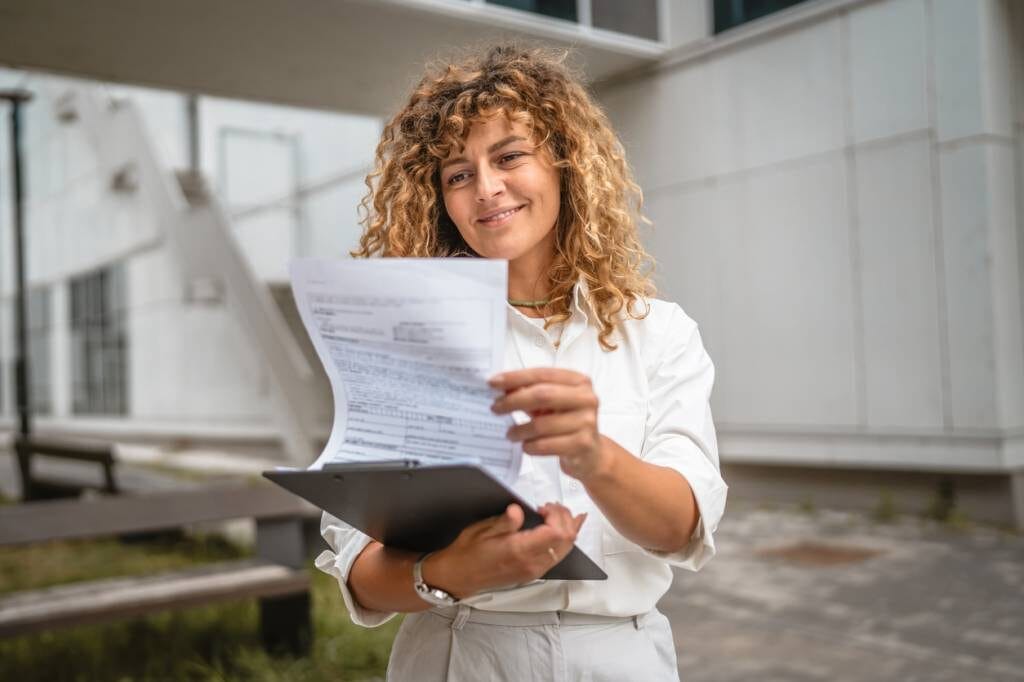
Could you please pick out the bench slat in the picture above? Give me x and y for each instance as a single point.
(115, 598)
(73, 519)
(86, 451)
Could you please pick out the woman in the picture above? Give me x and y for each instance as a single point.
(505, 156)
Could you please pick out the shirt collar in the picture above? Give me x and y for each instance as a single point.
(581, 300)
(581, 308)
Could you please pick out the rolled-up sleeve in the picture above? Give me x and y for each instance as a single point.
(346, 543)
(680, 432)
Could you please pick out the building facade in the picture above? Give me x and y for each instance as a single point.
(835, 197)
(833, 186)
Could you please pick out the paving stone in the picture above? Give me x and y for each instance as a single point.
(831, 595)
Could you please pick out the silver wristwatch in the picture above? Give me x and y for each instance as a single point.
(431, 595)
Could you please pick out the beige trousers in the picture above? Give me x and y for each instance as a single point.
(462, 644)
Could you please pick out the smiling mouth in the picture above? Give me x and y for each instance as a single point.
(498, 218)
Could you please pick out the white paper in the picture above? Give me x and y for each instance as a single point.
(408, 345)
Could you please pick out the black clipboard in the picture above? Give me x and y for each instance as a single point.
(418, 508)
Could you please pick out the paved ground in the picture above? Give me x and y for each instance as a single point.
(795, 596)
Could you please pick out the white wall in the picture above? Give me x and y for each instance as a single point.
(258, 153)
(833, 202)
(73, 223)
(188, 362)
(836, 202)
(687, 21)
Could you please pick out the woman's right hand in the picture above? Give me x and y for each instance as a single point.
(495, 553)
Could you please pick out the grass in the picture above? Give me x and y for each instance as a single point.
(56, 563)
(885, 510)
(217, 642)
(807, 506)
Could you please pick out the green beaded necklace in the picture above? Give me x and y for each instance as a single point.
(528, 304)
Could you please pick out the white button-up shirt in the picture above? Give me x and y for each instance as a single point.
(653, 392)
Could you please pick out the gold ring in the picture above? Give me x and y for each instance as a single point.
(554, 557)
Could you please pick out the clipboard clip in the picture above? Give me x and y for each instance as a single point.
(386, 465)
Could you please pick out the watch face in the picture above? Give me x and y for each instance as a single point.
(435, 596)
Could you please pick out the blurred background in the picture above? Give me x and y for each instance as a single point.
(834, 187)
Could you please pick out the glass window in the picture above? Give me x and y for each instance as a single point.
(559, 9)
(637, 18)
(732, 13)
(39, 340)
(99, 343)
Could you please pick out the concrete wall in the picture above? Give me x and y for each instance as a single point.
(190, 368)
(257, 155)
(833, 196)
(835, 191)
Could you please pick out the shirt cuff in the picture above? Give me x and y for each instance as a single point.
(709, 491)
(346, 543)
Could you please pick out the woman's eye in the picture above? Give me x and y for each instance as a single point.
(511, 157)
(456, 178)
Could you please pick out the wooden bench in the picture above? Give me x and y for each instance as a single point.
(277, 575)
(34, 487)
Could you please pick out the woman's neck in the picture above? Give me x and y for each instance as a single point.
(528, 282)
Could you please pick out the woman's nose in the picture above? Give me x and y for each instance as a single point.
(488, 184)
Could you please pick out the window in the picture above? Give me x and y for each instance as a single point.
(559, 9)
(637, 18)
(39, 340)
(99, 343)
(732, 13)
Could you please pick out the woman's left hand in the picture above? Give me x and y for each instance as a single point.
(563, 410)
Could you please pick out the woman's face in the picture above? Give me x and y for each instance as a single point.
(502, 192)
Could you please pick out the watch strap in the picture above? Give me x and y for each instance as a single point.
(428, 593)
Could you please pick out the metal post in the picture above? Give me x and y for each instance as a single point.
(16, 99)
(192, 114)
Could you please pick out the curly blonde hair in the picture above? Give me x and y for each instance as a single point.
(596, 232)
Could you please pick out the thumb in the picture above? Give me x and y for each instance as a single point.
(508, 522)
(578, 521)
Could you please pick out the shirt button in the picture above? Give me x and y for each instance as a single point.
(538, 343)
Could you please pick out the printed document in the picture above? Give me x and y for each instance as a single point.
(408, 345)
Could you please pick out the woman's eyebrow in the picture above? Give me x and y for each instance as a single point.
(490, 150)
(507, 141)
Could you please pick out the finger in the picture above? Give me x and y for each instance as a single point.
(549, 510)
(509, 522)
(536, 540)
(524, 377)
(567, 534)
(486, 524)
(539, 539)
(553, 424)
(559, 517)
(547, 396)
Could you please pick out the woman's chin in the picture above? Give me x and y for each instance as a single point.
(511, 246)
(507, 252)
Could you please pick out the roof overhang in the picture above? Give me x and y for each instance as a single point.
(359, 56)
